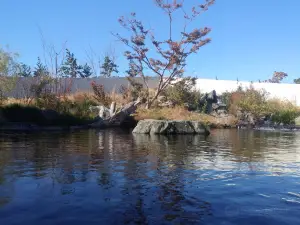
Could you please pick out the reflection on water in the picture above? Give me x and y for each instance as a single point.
(114, 177)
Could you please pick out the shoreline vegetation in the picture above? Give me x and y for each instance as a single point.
(48, 111)
(44, 102)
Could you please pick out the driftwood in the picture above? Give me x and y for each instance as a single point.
(113, 117)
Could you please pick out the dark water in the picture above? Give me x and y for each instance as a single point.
(113, 177)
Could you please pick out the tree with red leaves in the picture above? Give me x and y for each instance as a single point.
(277, 77)
(169, 60)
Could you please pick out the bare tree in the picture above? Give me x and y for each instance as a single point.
(170, 58)
(53, 57)
(93, 60)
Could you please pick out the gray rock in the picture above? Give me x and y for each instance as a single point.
(207, 100)
(170, 127)
(104, 112)
(199, 127)
(97, 123)
(184, 127)
(162, 99)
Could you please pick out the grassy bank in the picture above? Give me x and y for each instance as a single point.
(181, 113)
(74, 109)
(20, 114)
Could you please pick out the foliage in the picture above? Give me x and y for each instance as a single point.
(34, 115)
(100, 94)
(259, 105)
(108, 67)
(254, 101)
(42, 86)
(183, 92)
(40, 70)
(8, 63)
(9, 68)
(277, 77)
(24, 114)
(297, 81)
(25, 70)
(70, 68)
(170, 58)
(6, 85)
(86, 71)
(134, 91)
(225, 98)
(283, 111)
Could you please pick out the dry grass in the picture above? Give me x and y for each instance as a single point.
(180, 113)
(11, 101)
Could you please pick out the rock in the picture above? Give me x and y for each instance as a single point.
(199, 128)
(207, 100)
(162, 99)
(118, 118)
(170, 127)
(212, 97)
(97, 123)
(104, 112)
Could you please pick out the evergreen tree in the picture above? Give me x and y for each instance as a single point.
(40, 69)
(297, 81)
(70, 68)
(25, 70)
(86, 71)
(108, 67)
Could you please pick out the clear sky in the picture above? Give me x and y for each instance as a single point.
(250, 38)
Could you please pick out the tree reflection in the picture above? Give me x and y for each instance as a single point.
(148, 178)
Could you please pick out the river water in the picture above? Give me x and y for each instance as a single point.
(114, 177)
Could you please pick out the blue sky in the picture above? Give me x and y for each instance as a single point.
(250, 38)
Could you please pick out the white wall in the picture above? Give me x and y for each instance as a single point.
(289, 92)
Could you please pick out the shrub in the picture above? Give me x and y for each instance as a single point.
(226, 99)
(254, 101)
(283, 111)
(183, 92)
(23, 114)
(259, 105)
(100, 94)
(28, 114)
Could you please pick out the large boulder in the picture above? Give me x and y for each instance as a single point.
(170, 127)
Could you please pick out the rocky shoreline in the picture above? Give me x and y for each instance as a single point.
(144, 127)
(150, 126)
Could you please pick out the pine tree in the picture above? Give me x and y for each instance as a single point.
(40, 69)
(108, 67)
(86, 71)
(70, 68)
(25, 70)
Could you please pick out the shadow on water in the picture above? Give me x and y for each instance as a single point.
(114, 177)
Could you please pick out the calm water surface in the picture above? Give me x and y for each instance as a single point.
(114, 177)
